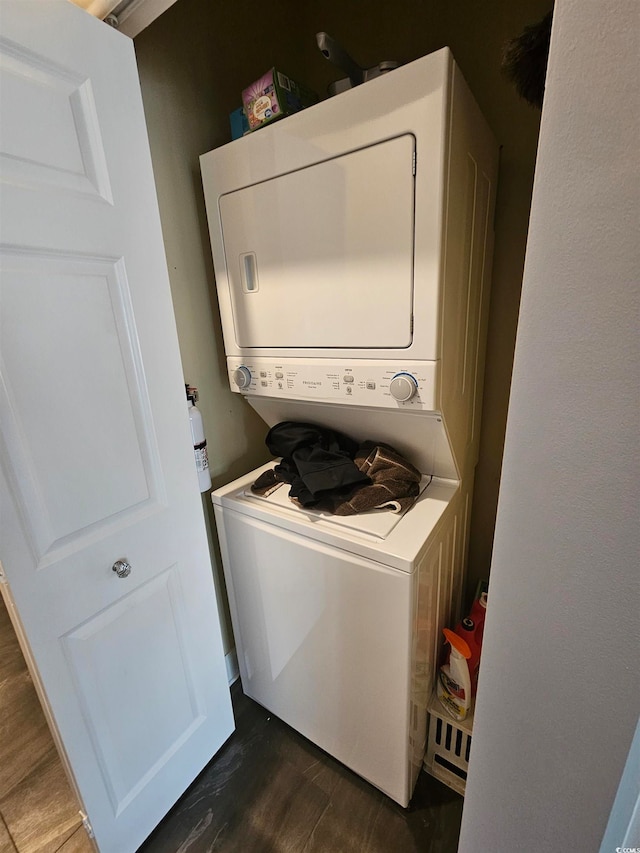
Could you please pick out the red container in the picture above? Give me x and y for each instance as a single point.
(471, 630)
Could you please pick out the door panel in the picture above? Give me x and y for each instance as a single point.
(109, 657)
(61, 146)
(330, 246)
(96, 461)
(73, 305)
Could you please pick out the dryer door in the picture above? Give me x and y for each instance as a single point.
(323, 257)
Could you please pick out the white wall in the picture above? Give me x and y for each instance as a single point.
(560, 691)
(183, 113)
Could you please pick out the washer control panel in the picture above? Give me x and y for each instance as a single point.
(360, 383)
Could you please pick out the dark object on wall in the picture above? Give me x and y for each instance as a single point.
(524, 60)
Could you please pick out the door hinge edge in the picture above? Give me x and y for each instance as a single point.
(87, 824)
(413, 164)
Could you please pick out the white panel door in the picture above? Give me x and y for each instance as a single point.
(323, 257)
(95, 448)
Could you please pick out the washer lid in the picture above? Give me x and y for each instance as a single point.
(377, 523)
(398, 548)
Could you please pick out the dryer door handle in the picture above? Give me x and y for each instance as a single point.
(249, 272)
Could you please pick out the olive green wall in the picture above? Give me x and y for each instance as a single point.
(194, 62)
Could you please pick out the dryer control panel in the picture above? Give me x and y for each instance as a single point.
(358, 383)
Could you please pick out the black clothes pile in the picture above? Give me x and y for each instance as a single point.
(329, 471)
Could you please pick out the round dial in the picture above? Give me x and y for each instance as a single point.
(403, 387)
(242, 377)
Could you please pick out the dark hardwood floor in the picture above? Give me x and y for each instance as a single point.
(269, 790)
(38, 810)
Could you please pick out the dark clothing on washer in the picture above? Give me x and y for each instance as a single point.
(329, 471)
(315, 460)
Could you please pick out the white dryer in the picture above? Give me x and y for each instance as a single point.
(352, 246)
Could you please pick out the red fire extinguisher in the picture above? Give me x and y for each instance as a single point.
(199, 440)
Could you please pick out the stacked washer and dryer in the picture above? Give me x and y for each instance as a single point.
(352, 246)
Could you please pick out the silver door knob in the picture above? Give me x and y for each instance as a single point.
(121, 568)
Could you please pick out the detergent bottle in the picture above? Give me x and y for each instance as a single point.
(478, 613)
(469, 630)
(454, 682)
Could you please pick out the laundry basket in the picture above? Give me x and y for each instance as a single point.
(448, 746)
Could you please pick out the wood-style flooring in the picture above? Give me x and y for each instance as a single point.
(269, 790)
(38, 811)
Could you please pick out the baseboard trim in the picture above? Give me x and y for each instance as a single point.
(231, 660)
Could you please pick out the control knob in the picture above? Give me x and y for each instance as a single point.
(403, 387)
(242, 377)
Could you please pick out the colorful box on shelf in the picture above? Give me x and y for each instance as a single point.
(239, 123)
(274, 95)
